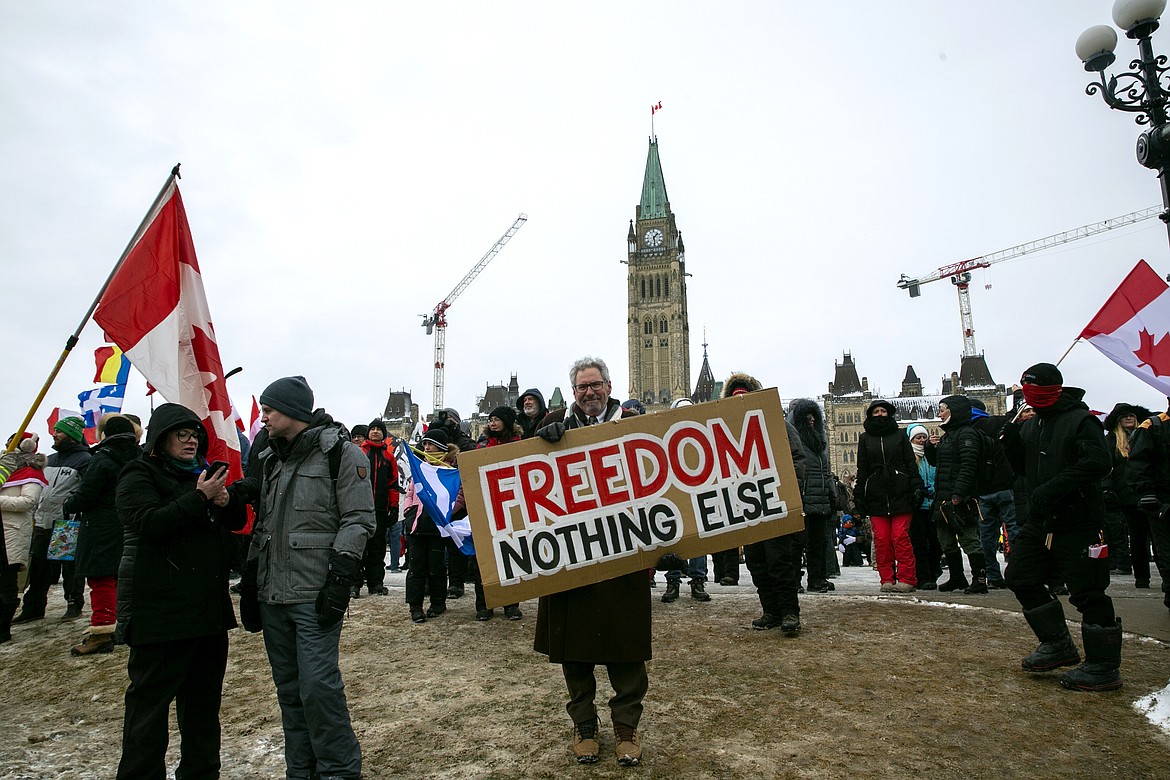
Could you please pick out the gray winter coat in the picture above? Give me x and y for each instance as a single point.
(304, 517)
(63, 473)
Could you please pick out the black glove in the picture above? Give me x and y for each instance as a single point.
(552, 432)
(671, 562)
(250, 597)
(333, 599)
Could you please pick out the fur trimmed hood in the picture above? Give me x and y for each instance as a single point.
(812, 435)
(740, 381)
(1122, 409)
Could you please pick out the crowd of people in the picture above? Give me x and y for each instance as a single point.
(155, 531)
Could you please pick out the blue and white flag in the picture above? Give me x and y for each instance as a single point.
(437, 487)
(99, 401)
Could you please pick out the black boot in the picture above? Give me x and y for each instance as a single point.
(6, 613)
(671, 593)
(956, 579)
(1056, 646)
(978, 574)
(1101, 670)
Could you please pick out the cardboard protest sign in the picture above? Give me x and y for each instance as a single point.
(612, 498)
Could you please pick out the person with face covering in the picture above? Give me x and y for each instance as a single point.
(817, 491)
(956, 455)
(890, 489)
(1063, 453)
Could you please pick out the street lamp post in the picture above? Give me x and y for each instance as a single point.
(1140, 90)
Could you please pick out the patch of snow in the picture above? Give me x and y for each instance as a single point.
(1156, 708)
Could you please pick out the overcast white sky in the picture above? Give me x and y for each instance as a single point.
(345, 164)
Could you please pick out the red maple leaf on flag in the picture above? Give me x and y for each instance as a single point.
(1155, 354)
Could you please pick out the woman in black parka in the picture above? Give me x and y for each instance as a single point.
(889, 487)
(174, 609)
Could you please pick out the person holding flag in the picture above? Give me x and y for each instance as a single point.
(426, 512)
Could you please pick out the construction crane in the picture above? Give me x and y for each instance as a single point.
(960, 273)
(436, 321)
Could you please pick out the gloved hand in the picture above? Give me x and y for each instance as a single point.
(671, 562)
(552, 433)
(333, 598)
(849, 540)
(250, 597)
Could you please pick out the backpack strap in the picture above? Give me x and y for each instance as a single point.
(335, 461)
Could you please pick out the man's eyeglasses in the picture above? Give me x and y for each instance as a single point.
(594, 386)
(184, 436)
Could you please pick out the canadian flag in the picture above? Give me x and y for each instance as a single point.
(256, 425)
(1133, 327)
(60, 414)
(156, 311)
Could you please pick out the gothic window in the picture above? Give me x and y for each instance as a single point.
(643, 289)
(648, 328)
(649, 343)
(662, 326)
(663, 343)
(658, 287)
(666, 288)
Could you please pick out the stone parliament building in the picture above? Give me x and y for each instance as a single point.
(658, 347)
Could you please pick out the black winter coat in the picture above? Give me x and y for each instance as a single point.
(817, 489)
(1062, 452)
(99, 538)
(888, 481)
(957, 454)
(1003, 477)
(173, 578)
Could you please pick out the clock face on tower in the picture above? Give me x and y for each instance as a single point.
(653, 237)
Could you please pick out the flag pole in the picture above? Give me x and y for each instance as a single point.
(71, 342)
(1070, 349)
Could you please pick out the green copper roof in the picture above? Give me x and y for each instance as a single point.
(653, 186)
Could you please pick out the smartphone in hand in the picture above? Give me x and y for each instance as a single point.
(215, 467)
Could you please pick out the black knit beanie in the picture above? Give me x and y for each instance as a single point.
(506, 415)
(291, 396)
(1043, 374)
(380, 426)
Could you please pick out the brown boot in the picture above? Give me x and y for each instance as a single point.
(628, 747)
(96, 639)
(585, 745)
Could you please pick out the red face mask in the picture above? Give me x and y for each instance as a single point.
(1041, 396)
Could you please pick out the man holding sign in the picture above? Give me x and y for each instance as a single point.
(606, 623)
(579, 524)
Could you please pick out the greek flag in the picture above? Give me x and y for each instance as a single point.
(437, 488)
